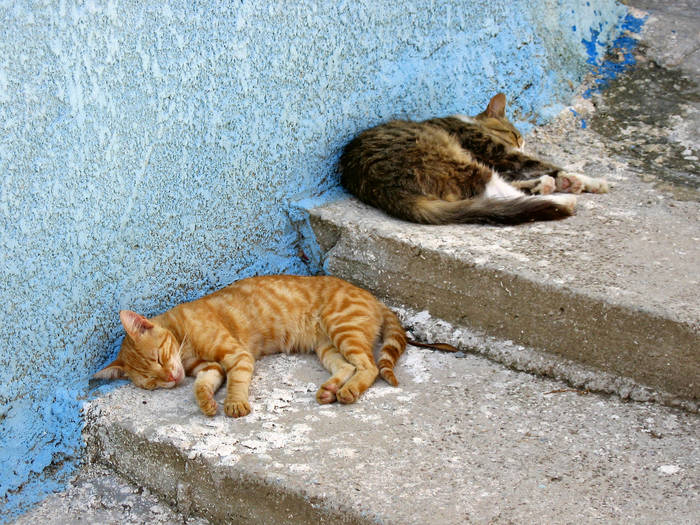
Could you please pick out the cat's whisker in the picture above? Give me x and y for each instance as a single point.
(182, 345)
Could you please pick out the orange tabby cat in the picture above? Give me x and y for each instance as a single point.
(221, 335)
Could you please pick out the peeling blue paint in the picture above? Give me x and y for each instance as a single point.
(151, 153)
(581, 120)
(607, 69)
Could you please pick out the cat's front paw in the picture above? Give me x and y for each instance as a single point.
(236, 408)
(569, 182)
(205, 400)
(545, 185)
(577, 183)
(597, 186)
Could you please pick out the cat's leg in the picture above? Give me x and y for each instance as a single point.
(524, 171)
(339, 368)
(209, 377)
(543, 185)
(239, 365)
(538, 177)
(356, 344)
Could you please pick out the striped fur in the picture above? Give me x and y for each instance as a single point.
(218, 338)
(443, 170)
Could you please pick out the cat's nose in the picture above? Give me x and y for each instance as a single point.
(176, 377)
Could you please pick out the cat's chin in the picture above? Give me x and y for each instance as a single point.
(172, 384)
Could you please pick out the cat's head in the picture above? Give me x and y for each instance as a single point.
(149, 355)
(493, 120)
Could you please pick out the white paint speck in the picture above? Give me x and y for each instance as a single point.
(343, 452)
(668, 470)
(414, 362)
(254, 444)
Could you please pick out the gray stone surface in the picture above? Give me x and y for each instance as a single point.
(651, 115)
(99, 496)
(671, 33)
(461, 440)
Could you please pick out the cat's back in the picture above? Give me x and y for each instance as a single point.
(289, 293)
(392, 154)
(389, 139)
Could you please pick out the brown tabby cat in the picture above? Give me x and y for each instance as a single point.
(221, 335)
(453, 170)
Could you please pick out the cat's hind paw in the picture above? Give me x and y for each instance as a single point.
(327, 393)
(236, 408)
(567, 202)
(205, 400)
(545, 185)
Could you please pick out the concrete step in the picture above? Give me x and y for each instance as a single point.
(614, 288)
(97, 495)
(461, 440)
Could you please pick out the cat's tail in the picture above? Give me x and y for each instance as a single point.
(501, 210)
(393, 345)
(394, 342)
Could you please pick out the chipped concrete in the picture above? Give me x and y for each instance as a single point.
(461, 440)
(98, 495)
(651, 115)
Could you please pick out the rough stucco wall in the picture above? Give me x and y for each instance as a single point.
(152, 153)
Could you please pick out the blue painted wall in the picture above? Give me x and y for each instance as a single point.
(151, 152)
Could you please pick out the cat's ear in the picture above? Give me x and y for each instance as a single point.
(114, 370)
(497, 106)
(135, 325)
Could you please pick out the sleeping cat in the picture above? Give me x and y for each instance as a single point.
(458, 169)
(221, 335)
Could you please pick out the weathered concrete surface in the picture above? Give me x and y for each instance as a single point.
(524, 358)
(462, 440)
(671, 33)
(99, 496)
(651, 115)
(616, 287)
